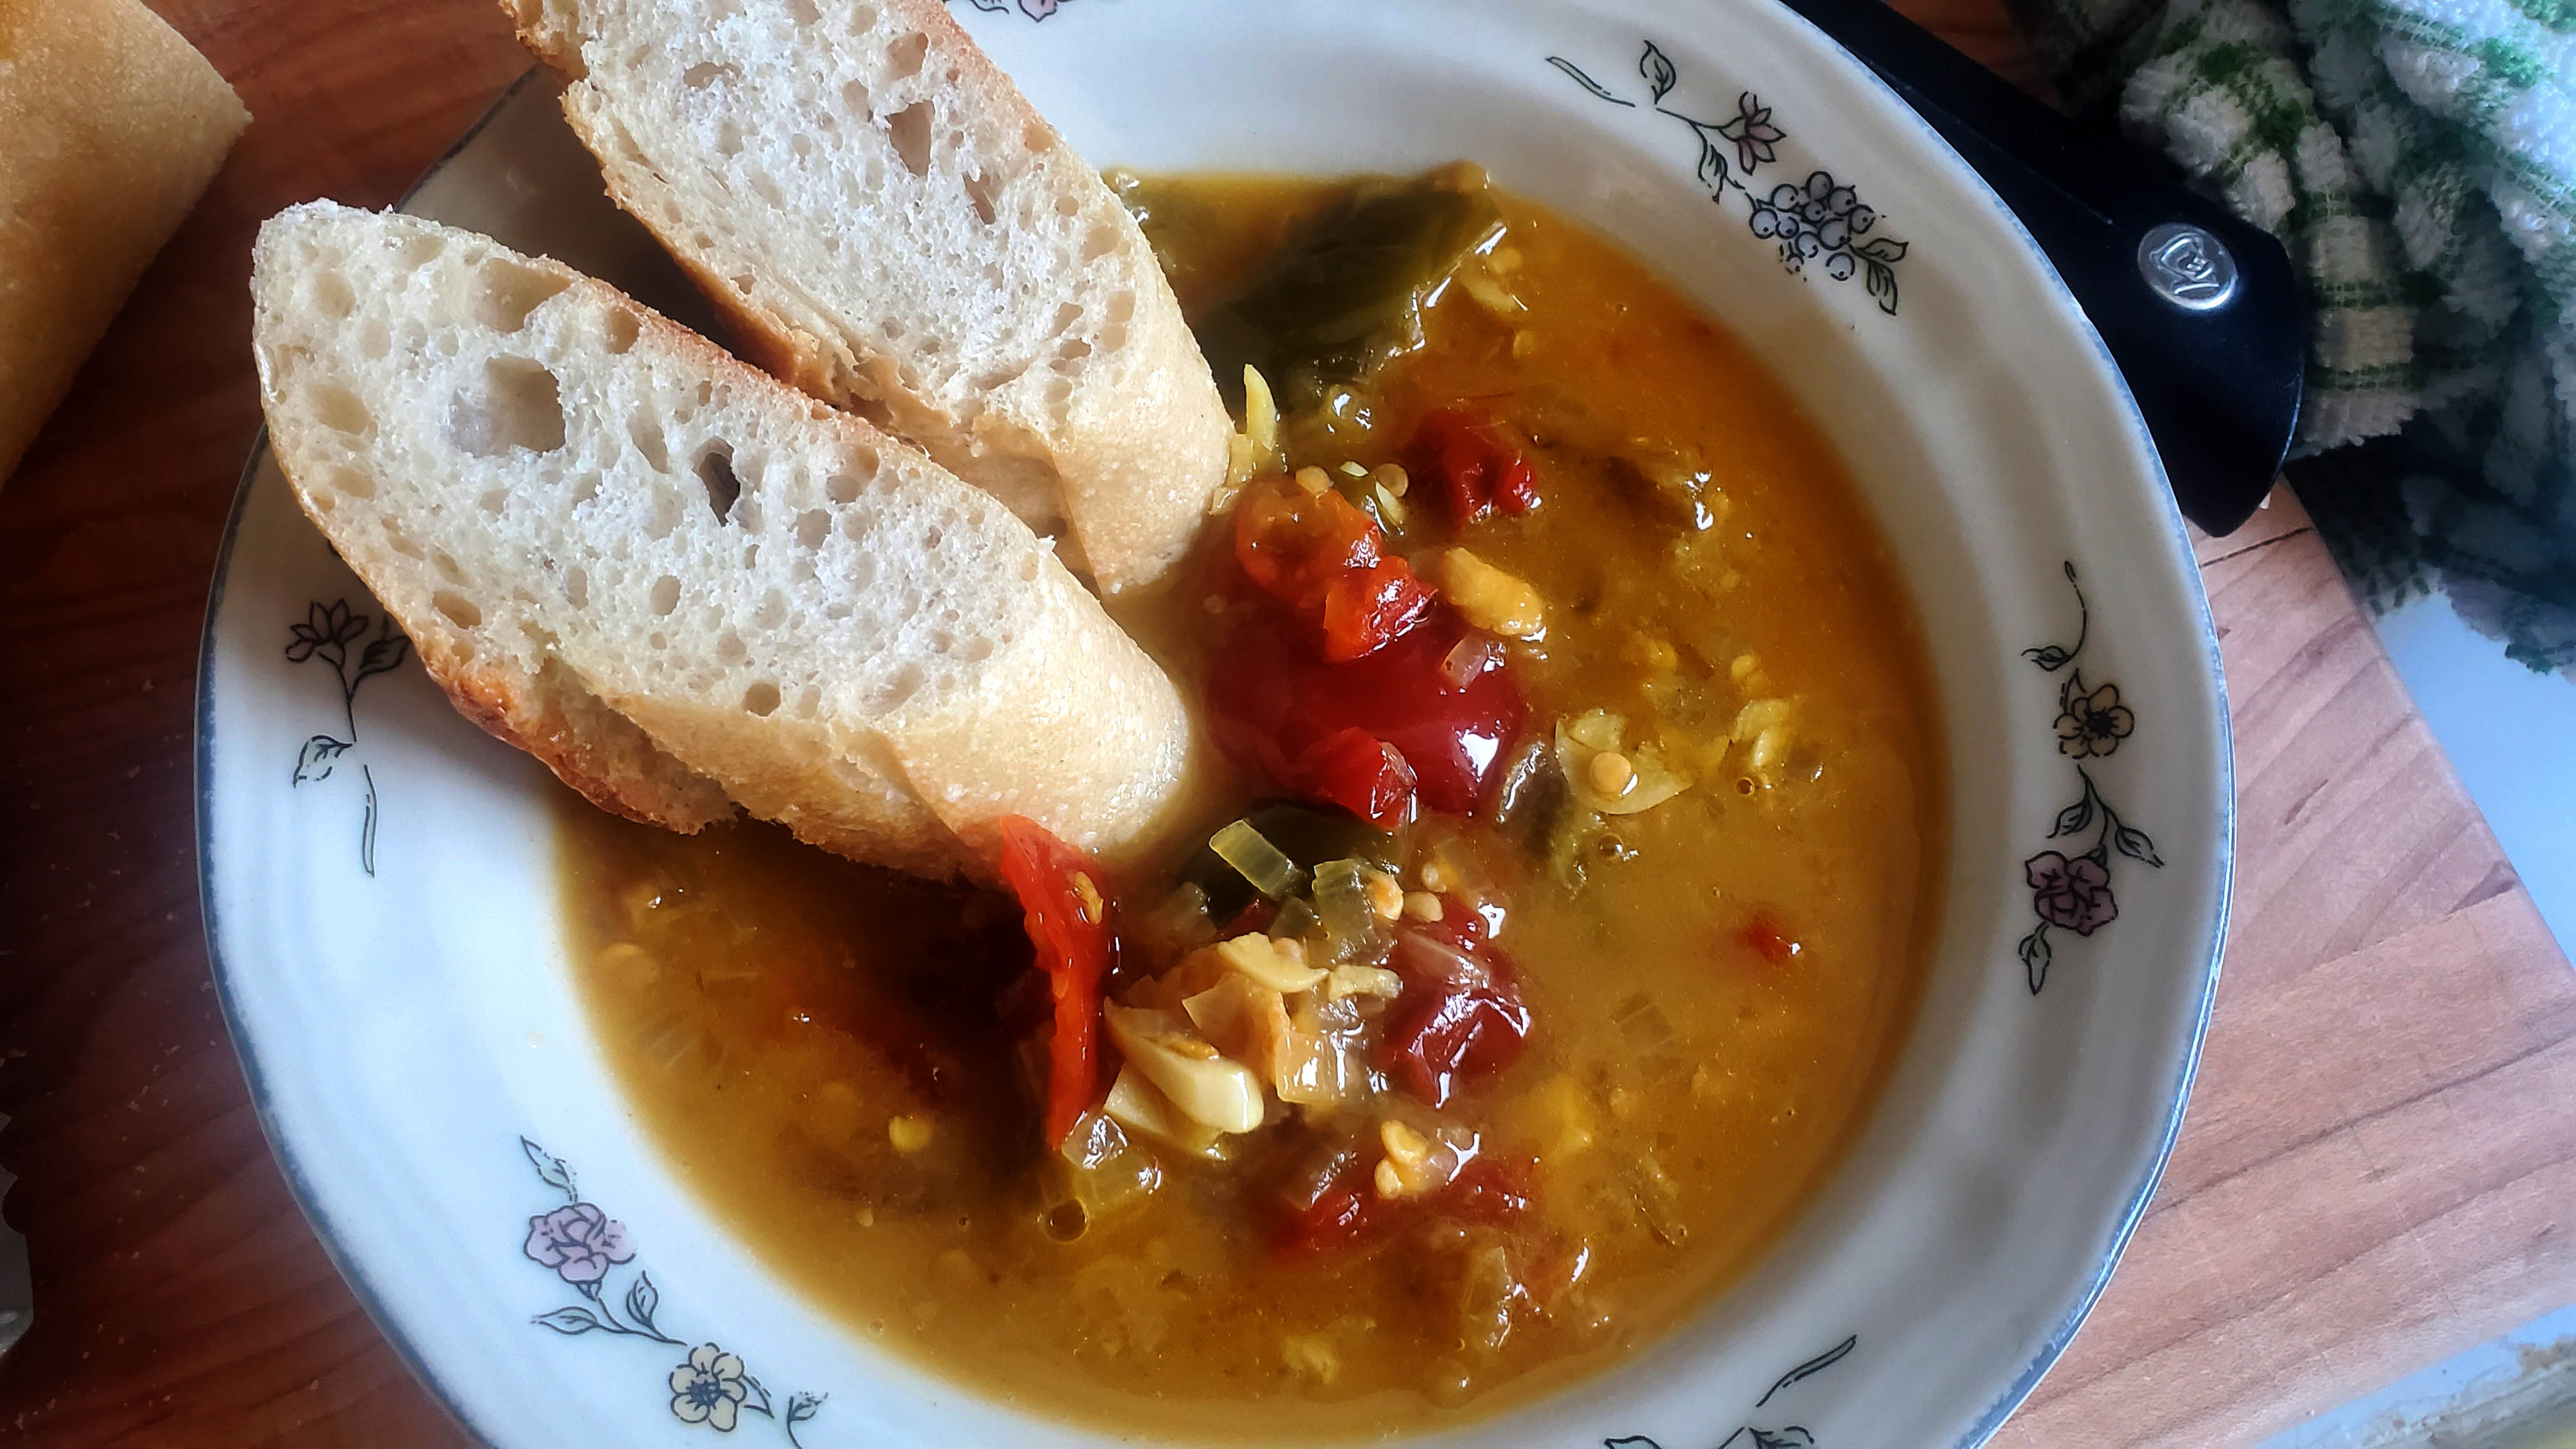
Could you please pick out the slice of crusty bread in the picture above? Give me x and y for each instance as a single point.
(674, 579)
(893, 229)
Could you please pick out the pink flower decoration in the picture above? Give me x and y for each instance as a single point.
(2074, 893)
(579, 1242)
(1752, 132)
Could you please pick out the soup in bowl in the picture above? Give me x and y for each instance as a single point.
(1543, 936)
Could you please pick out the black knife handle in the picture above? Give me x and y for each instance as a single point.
(2217, 370)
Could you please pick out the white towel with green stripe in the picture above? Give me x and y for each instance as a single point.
(2418, 159)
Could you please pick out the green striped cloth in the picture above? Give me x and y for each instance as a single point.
(2418, 159)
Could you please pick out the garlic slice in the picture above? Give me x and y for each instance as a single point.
(1136, 1103)
(1204, 1084)
(1276, 962)
(1247, 1022)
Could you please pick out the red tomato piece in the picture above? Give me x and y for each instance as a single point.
(1270, 701)
(1292, 543)
(1346, 1209)
(1487, 1190)
(1365, 609)
(1450, 1033)
(1071, 920)
(1338, 1213)
(1327, 560)
(1471, 466)
(1447, 1030)
(1359, 772)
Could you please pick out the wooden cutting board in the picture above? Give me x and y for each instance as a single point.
(2379, 1167)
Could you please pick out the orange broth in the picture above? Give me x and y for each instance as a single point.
(1717, 1003)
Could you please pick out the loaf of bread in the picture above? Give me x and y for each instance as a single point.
(680, 583)
(110, 128)
(889, 226)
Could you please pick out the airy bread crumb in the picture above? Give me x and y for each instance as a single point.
(891, 227)
(679, 583)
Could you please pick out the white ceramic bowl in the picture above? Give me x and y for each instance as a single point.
(379, 879)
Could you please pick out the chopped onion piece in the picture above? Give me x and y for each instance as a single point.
(1094, 1140)
(1658, 1200)
(1490, 1296)
(1648, 1032)
(1440, 961)
(1321, 1072)
(1257, 860)
(1295, 921)
(1326, 1064)
(1471, 656)
(1100, 1170)
(1596, 729)
(1447, 865)
(1353, 930)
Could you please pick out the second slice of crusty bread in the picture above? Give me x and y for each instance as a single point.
(676, 580)
(893, 228)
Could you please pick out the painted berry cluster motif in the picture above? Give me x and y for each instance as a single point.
(2073, 893)
(1746, 1436)
(1819, 220)
(584, 1245)
(337, 636)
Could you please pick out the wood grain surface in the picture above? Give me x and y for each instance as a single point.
(2379, 1167)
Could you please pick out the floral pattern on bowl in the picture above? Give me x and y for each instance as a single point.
(581, 1243)
(1818, 217)
(327, 634)
(2073, 893)
(1784, 1436)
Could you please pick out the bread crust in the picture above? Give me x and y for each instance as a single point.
(1120, 470)
(587, 745)
(907, 756)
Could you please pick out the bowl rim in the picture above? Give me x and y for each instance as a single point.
(2142, 1196)
(2079, 1304)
